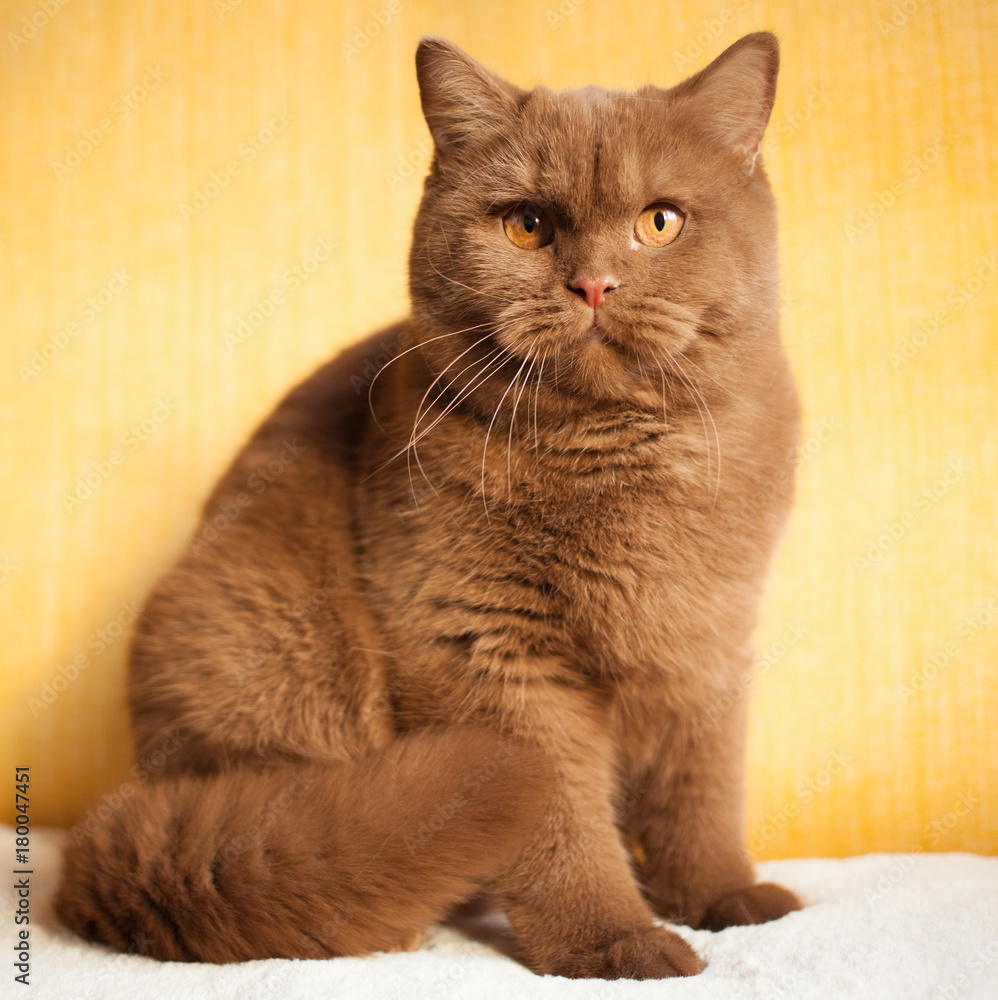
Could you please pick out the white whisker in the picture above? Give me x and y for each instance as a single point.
(512, 419)
(454, 281)
(462, 394)
(537, 395)
(408, 350)
(488, 433)
(495, 357)
(446, 368)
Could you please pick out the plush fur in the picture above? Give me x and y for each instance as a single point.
(532, 546)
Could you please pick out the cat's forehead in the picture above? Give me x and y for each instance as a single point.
(598, 151)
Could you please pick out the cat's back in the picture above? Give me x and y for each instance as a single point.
(327, 413)
(265, 597)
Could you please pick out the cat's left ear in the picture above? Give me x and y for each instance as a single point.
(733, 97)
(460, 97)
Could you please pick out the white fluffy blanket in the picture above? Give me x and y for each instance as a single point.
(906, 926)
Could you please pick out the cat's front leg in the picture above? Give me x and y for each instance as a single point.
(688, 826)
(572, 898)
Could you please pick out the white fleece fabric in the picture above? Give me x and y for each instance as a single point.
(905, 926)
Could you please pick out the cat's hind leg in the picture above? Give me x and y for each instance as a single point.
(303, 860)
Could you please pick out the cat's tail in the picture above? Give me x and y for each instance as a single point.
(304, 861)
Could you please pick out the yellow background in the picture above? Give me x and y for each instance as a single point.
(881, 152)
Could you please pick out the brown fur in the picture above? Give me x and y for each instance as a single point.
(553, 523)
(256, 864)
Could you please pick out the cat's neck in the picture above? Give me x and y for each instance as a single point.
(538, 441)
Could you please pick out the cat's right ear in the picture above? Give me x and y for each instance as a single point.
(459, 97)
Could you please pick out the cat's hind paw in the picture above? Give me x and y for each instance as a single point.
(755, 904)
(655, 953)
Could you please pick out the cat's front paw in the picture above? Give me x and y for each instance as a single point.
(756, 904)
(655, 953)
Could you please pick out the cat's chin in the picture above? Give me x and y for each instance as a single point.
(600, 366)
(604, 362)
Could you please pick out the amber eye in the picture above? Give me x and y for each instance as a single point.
(659, 224)
(528, 227)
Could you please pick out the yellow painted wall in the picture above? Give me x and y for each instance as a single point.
(165, 167)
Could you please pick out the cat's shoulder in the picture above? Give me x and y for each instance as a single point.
(331, 405)
(319, 427)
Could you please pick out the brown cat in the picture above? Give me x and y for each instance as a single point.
(483, 627)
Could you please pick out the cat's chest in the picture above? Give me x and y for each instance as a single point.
(618, 558)
(624, 517)
(643, 568)
(622, 552)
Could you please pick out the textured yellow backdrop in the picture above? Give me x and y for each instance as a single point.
(201, 201)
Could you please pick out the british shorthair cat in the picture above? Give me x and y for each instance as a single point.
(486, 631)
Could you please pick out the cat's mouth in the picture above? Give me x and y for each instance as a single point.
(597, 334)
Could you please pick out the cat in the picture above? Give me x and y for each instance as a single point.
(479, 627)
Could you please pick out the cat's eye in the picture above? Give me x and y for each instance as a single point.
(528, 227)
(659, 224)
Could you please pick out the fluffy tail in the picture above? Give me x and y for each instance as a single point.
(304, 862)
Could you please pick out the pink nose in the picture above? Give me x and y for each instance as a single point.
(593, 290)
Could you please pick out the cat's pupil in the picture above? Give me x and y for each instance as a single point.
(529, 222)
(660, 220)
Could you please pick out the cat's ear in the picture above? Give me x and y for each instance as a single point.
(733, 97)
(459, 96)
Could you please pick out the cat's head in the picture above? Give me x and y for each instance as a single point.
(606, 237)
